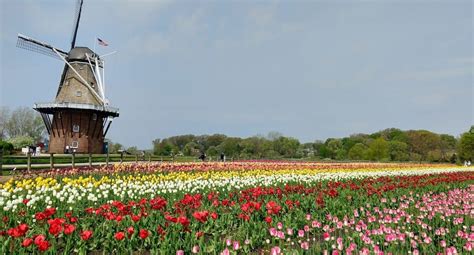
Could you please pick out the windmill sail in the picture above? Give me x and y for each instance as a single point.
(31, 44)
(77, 18)
(75, 27)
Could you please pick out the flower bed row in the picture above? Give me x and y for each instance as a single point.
(428, 210)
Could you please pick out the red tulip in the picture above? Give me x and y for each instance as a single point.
(39, 238)
(130, 231)
(27, 242)
(86, 235)
(183, 221)
(201, 216)
(69, 229)
(43, 245)
(268, 219)
(119, 236)
(144, 233)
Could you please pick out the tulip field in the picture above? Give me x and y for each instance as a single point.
(269, 207)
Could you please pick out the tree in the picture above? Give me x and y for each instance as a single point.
(133, 150)
(447, 146)
(466, 146)
(378, 150)
(19, 142)
(25, 122)
(434, 155)
(212, 151)
(358, 151)
(191, 149)
(114, 147)
(230, 147)
(398, 151)
(421, 142)
(333, 146)
(273, 135)
(4, 117)
(7, 147)
(286, 146)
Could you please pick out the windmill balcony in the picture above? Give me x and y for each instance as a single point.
(49, 108)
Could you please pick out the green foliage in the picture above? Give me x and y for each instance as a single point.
(6, 147)
(466, 146)
(19, 142)
(114, 147)
(387, 145)
(379, 150)
(191, 149)
(358, 152)
(398, 151)
(22, 122)
(422, 142)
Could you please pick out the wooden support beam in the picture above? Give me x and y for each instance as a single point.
(51, 160)
(95, 126)
(107, 129)
(62, 125)
(103, 124)
(80, 124)
(89, 124)
(28, 161)
(72, 125)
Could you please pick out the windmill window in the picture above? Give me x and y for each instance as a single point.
(75, 128)
(94, 116)
(75, 144)
(67, 82)
(78, 93)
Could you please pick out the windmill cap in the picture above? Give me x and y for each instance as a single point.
(79, 53)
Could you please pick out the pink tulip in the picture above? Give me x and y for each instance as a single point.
(195, 249)
(279, 225)
(305, 245)
(179, 252)
(273, 232)
(443, 243)
(275, 250)
(300, 233)
(236, 245)
(468, 246)
(339, 243)
(225, 252)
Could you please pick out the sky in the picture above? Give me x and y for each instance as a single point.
(308, 69)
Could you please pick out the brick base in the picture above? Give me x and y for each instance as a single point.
(82, 131)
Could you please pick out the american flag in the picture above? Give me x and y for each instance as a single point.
(102, 42)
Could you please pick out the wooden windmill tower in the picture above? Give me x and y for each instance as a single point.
(80, 116)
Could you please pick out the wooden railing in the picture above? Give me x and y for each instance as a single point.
(45, 161)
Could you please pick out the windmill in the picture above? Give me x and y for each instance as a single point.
(80, 116)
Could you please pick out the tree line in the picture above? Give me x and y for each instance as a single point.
(19, 128)
(23, 126)
(391, 144)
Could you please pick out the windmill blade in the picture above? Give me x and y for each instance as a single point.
(77, 18)
(31, 44)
